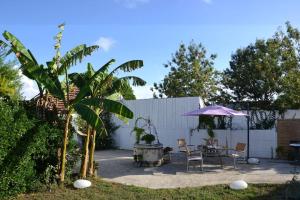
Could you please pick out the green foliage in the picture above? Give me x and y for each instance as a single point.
(106, 141)
(138, 133)
(10, 80)
(127, 91)
(28, 151)
(266, 72)
(192, 74)
(148, 138)
(292, 188)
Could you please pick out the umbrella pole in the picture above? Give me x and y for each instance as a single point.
(248, 131)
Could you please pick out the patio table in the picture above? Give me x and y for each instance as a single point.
(214, 151)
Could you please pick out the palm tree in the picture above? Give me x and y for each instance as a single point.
(48, 80)
(104, 87)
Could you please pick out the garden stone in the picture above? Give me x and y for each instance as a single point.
(81, 183)
(238, 185)
(253, 161)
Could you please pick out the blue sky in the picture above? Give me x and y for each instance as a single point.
(150, 30)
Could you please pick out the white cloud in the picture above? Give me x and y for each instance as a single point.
(29, 88)
(142, 92)
(131, 3)
(207, 1)
(106, 43)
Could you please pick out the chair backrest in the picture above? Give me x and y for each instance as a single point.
(183, 146)
(216, 142)
(181, 142)
(240, 147)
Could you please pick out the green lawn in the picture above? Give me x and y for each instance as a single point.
(105, 190)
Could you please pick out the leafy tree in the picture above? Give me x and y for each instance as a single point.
(191, 74)
(106, 86)
(261, 71)
(10, 80)
(48, 80)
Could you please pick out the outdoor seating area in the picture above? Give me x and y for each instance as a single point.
(212, 150)
(118, 166)
(144, 99)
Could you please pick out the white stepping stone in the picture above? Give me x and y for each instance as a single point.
(238, 185)
(81, 183)
(253, 161)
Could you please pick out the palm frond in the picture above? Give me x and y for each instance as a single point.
(89, 116)
(48, 80)
(90, 70)
(86, 88)
(75, 55)
(105, 67)
(95, 102)
(78, 79)
(129, 66)
(126, 67)
(117, 108)
(18, 48)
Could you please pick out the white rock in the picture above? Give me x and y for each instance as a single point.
(81, 183)
(238, 185)
(253, 161)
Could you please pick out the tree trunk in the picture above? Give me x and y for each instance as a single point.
(64, 152)
(84, 163)
(92, 150)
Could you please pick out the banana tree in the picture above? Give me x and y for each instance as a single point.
(56, 67)
(47, 79)
(104, 87)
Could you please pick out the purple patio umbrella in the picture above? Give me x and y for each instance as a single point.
(215, 111)
(220, 111)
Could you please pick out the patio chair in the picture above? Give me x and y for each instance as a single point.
(193, 156)
(239, 153)
(182, 145)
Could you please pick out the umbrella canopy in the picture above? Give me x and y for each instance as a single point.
(215, 111)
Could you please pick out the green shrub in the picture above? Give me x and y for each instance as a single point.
(106, 141)
(148, 138)
(28, 151)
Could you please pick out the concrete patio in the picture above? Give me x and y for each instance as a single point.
(118, 166)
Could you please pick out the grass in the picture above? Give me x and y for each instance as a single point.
(105, 190)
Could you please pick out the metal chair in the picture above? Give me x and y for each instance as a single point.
(182, 145)
(193, 156)
(239, 153)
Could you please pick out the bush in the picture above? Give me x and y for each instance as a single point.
(148, 138)
(106, 141)
(28, 151)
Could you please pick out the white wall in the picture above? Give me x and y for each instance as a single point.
(166, 115)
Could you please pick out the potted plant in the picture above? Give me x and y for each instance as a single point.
(138, 133)
(148, 138)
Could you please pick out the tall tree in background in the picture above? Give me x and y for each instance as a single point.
(10, 80)
(191, 74)
(264, 70)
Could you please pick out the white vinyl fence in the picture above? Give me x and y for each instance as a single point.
(166, 115)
